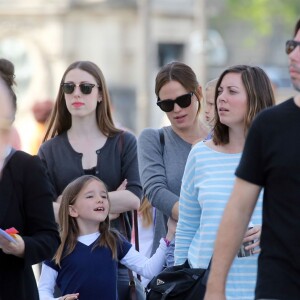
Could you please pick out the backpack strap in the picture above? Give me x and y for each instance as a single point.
(161, 138)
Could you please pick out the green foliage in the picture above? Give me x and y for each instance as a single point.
(263, 14)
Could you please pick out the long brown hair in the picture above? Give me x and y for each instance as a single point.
(181, 73)
(7, 74)
(68, 226)
(60, 120)
(259, 96)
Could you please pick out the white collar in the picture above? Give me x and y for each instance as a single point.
(88, 239)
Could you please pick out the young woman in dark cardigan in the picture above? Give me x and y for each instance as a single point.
(82, 140)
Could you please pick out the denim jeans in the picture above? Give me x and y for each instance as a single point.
(170, 254)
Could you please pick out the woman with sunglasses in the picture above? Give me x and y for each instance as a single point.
(82, 139)
(241, 93)
(161, 166)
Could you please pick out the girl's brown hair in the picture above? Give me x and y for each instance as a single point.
(181, 73)
(259, 96)
(60, 120)
(68, 226)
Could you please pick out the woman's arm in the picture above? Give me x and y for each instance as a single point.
(40, 236)
(122, 201)
(153, 174)
(127, 196)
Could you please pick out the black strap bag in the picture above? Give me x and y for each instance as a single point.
(178, 283)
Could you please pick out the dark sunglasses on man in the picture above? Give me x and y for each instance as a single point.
(85, 88)
(168, 104)
(290, 46)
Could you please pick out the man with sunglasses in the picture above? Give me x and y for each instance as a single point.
(271, 160)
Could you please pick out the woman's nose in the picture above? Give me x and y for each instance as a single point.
(77, 90)
(221, 97)
(176, 107)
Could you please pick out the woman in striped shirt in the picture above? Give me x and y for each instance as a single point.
(241, 92)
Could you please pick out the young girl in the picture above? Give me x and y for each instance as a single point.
(86, 262)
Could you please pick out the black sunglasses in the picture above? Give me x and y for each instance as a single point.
(85, 88)
(290, 46)
(168, 104)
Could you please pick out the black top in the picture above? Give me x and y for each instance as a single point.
(26, 204)
(271, 159)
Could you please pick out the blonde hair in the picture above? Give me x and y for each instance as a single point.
(211, 84)
(145, 211)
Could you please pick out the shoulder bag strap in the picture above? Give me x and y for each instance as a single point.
(161, 139)
(131, 284)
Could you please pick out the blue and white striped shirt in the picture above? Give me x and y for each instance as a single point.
(206, 187)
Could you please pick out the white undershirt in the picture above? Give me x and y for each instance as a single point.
(146, 267)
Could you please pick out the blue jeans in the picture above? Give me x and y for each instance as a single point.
(170, 254)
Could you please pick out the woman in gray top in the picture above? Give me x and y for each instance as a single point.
(161, 164)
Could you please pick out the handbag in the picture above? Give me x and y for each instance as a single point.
(178, 283)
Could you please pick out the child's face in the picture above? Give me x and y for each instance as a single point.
(91, 207)
(209, 108)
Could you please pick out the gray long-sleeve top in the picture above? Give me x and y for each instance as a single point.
(161, 173)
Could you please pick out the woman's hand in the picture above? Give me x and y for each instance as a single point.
(122, 186)
(253, 234)
(171, 229)
(70, 297)
(17, 248)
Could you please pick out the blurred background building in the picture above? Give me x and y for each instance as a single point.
(130, 40)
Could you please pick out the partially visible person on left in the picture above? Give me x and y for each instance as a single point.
(25, 204)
